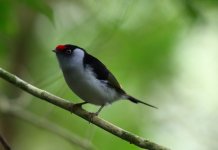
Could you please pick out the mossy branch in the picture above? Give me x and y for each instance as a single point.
(107, 126)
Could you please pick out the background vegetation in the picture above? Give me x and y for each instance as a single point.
(162, 52)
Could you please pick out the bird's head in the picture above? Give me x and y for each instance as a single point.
(66, 49)
(69, 54)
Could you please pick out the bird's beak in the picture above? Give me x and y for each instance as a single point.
(54, 51)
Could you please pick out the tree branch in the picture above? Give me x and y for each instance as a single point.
(20, 113)
(4, 143)
(44, 95)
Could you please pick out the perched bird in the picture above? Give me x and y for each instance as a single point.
(89, 78)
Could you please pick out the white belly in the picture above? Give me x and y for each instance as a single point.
(87, 87)
(83, 83)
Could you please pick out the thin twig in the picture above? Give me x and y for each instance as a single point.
(44, 95)
(4, 143)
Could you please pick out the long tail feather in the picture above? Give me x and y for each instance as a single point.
(134, 100)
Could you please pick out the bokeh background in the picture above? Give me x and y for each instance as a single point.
(163, 52)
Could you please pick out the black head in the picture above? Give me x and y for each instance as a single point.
(66, 49)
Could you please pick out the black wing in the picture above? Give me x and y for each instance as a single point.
(102, 73)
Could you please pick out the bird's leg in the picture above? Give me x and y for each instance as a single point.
(95, 114)
(78, 105)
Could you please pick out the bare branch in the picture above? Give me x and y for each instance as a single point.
(44, 95)
(4, 143)
(40, 122)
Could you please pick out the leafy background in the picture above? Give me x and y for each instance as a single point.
(162, 52)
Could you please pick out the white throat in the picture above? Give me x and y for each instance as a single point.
(73, 62)
(78, 56)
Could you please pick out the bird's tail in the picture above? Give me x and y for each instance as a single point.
(134, 100)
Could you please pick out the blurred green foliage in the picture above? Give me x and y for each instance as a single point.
(135, 39)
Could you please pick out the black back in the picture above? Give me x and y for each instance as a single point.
(101, 72)
(98, 67)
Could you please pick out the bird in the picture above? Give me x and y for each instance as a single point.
(89, 78)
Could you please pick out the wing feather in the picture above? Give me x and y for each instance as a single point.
(102, 73)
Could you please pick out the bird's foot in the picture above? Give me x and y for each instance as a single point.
(92, 115)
